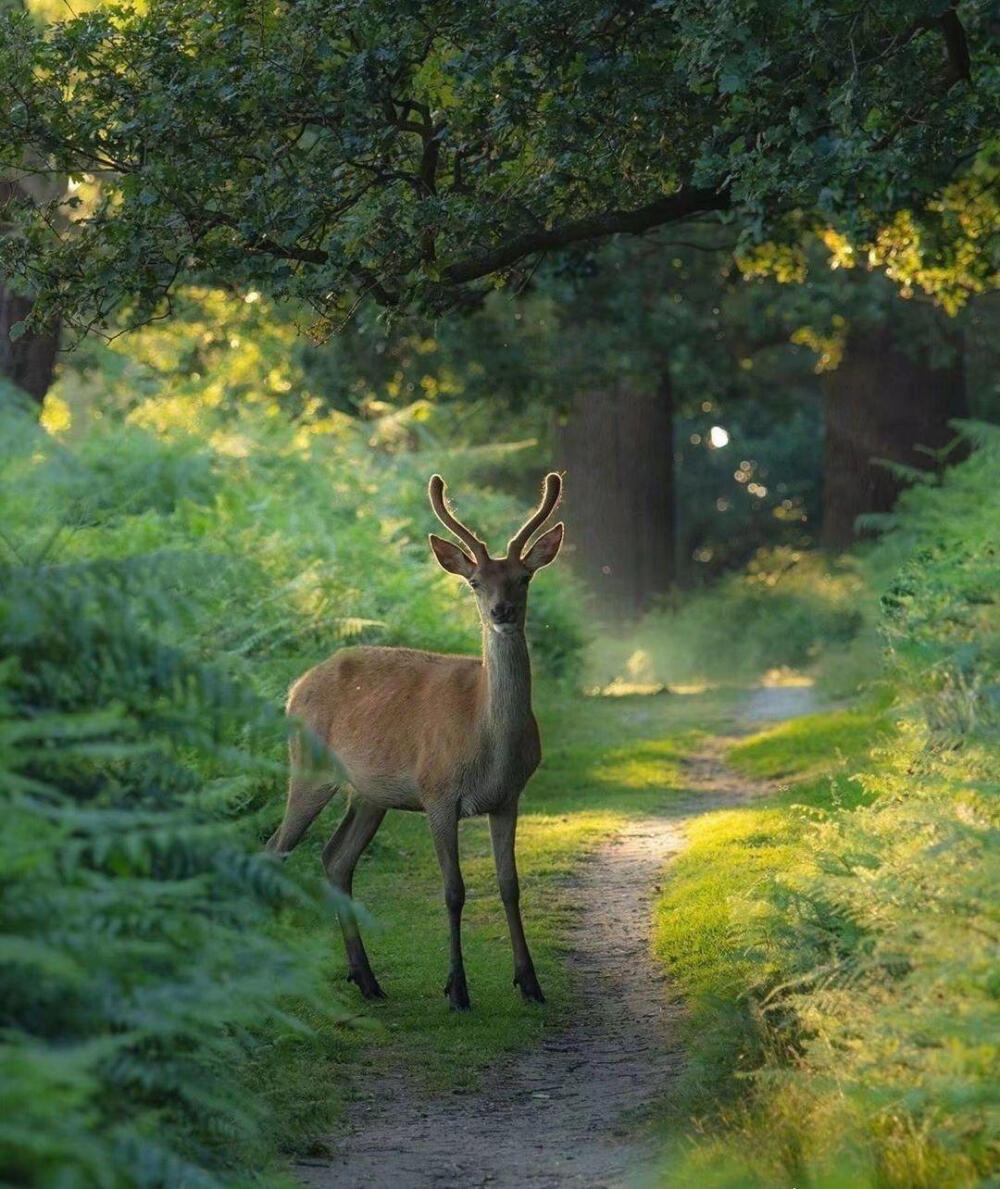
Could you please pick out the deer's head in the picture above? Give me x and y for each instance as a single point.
(500, 584)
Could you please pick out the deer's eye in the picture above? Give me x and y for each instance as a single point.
(474, 583)
(525, 580)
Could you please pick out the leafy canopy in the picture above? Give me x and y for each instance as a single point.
(410, 151)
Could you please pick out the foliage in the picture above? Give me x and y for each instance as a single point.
(837, 939)
(404, 154)
(838, 291)
(940, 610)
(139, 976)
(946, 251)
(235, 478)
(163, 577)
(951, 252)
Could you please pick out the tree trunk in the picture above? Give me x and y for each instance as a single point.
(29, 361)
(881, 403)
(618, 452)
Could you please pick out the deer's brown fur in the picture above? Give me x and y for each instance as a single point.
(358, 701)
(450, 736)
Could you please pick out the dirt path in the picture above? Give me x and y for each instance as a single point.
(564, 1114)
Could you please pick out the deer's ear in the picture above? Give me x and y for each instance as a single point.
(451, 558)
(545, 548)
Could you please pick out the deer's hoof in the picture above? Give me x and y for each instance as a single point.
(529, 988)
(458, 994)
(367, 984)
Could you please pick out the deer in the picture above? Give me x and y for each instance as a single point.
(448, 736)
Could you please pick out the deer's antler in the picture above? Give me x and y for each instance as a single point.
(550, 498)
(435, 490)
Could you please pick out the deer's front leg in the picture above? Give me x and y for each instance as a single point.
(502, 829)
(444, 831)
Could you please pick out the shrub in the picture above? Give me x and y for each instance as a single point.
(138, 972)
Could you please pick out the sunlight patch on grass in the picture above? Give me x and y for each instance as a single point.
(653, 766)
(715, 893)
(785, 678)
(620, 688)
(798, 747)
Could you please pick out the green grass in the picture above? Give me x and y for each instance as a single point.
(807, 745)
(719, 888)
(712, 923)
(833, 943)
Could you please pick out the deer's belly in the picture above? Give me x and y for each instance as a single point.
(388, 792)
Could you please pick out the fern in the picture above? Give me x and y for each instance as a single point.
(138, 969)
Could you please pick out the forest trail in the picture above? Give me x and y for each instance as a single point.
(567, 1113)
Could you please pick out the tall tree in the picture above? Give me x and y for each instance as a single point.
(887, 402)
(27, 355)
(624, 322)
(618, 445)
(27, 359)
(410, 153)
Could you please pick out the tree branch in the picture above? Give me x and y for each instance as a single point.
(634, 222)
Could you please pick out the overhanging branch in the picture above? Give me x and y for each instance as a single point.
(672, 209)
(677, 206)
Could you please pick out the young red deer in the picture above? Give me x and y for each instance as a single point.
(449, 736)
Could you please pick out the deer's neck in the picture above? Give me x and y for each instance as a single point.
(507, 672)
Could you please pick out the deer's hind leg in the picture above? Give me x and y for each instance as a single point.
(309, 791)
(340, 857)
(306, 800)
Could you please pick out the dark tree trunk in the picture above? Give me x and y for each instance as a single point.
(618, 452)
(29, 361)
(881, 403)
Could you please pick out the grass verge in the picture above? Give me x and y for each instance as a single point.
(833, 942)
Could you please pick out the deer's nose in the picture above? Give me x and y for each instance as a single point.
(503, 612)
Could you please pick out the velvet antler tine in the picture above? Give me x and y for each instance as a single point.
(435, 490)
(551, 491)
